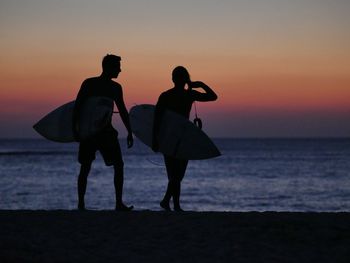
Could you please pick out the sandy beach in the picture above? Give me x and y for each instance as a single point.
(151, 236)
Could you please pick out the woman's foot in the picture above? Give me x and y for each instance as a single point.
(165, 205)
(178, 209)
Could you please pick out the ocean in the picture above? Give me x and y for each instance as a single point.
(251, 175)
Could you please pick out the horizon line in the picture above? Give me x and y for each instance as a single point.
(214, 137)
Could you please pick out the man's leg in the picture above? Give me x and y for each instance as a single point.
(82, 182)
(110, 149)
(118, 186)
(86, 156)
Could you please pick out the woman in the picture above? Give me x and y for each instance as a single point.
(179, 100)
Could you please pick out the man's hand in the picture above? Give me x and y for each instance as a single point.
(130, 140)
(155, 146)
(76, 133)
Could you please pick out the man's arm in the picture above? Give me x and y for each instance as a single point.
(158, 114)
(209, 94)
(82, 94)
(124, 115)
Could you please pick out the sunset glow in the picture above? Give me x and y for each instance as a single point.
(283, 66)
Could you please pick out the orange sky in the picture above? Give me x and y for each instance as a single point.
(274, 59)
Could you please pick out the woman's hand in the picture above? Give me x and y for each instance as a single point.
(130, 140)
(195, 84)
(208, 95)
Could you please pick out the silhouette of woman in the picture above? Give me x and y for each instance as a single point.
(179, 100)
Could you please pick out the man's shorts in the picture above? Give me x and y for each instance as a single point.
(106, 142)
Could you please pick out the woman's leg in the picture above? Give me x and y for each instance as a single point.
(169, 191)
(180, 168)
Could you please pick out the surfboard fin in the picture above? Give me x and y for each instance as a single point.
(198, 122)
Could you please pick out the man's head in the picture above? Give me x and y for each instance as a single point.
(181, 75)
(111, 65)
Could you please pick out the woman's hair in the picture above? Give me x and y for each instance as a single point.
(180, 74)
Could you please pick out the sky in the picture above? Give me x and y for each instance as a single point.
(280, 68)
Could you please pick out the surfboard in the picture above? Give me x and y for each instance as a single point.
(178, 137)
(57, 125)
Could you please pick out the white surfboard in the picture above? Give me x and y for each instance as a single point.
(178, 137)
(57, 126)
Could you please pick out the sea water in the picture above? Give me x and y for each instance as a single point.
(251, 175)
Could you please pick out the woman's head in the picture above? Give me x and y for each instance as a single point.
(180, 75)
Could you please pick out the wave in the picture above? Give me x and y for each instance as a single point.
(17, 153)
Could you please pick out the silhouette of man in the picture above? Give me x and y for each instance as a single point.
(179, 100)
(105, 141)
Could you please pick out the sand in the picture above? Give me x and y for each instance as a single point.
(151, 236)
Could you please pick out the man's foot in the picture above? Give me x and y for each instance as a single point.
(165, 206)
(124, 208)
(81, 207)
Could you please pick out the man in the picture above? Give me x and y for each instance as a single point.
(105, 141)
